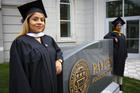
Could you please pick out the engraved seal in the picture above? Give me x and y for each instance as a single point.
(80, 77)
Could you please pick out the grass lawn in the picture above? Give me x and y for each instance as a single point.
(4, 78)
(130, 85)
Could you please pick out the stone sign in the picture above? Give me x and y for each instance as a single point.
(88, 67)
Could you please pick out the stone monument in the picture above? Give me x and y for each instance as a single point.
(87, 68)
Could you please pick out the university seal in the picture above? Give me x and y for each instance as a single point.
(80, 77)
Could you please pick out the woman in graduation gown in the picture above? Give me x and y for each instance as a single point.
(119, 50)
(35, 58)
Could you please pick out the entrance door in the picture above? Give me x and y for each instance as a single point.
(132, 32)
(132, 35)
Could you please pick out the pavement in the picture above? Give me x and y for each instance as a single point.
(132, 68)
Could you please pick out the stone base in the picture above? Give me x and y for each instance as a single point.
(112, 88)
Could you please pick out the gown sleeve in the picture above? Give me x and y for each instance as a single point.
(112, 36)
(109, 36)
(18, 79)
(58, 51)
(60, 76)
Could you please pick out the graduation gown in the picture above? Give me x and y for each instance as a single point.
(32, 66)
(119, 52)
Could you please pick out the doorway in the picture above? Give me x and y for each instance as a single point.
(132, 32)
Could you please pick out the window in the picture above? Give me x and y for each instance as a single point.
(129, 10)
(110, 27)
(114, 8)
(132, 8)
(65, 22)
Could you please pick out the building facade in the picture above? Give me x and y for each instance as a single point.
(72, 22)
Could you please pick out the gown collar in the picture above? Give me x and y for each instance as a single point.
(36, 34)
(117, 32)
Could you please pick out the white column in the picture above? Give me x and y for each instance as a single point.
(1, 37)
(99, 19)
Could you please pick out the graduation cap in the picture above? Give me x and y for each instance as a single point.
(35, 6)
(117, 21)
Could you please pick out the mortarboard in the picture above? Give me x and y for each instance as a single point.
(35, 6)
(118, 20)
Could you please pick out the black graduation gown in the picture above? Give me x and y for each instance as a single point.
(32, 66)
(119, 52)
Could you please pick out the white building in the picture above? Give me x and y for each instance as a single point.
(72, 22)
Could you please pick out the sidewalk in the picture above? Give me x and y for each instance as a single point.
(132, 68)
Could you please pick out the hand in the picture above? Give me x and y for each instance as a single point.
(58, 67)
(116, 40)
